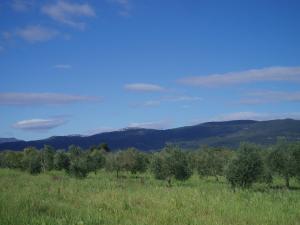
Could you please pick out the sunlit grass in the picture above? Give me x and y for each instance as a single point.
(55, 198)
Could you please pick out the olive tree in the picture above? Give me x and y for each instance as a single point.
(283, 160)
(246, 168)
(32, 160)
(61, 160)
(95, 160)
(212, 162)
(47, 156)
(114, 162)
(12, 160)
(171, 162)
(78, 162)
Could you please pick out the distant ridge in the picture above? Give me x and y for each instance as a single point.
(226, 133)
(6, 140)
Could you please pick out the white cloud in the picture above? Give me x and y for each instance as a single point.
(39, 124)
(63, 66)
(163, 124)
(36, 33)
(42, 99)
(66, 13)
(248, 76)
(143, 87)
(261, 97)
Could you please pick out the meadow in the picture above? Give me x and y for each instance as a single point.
(54, 198)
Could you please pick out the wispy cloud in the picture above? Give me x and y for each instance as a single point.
(162, 124)
(157, 102)
(260, 97)
(150, 103)
(22, 5)
(248, 76)
(183, 98)
(39, 124)
(125, 6)
(67, 13)
(63, 66)
(36, 33)
(6, 35)
(43, 99)
(143, 87)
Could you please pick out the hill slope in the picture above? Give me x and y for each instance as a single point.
(229, 133)
(6, 140)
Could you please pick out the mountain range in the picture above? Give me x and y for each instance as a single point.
(6, 140)
(227, 134)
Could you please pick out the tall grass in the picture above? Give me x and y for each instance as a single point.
(54, 198)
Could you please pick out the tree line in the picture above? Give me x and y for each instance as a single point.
(243, 167)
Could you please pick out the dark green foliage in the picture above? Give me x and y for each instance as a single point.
(79, 167)
(32, 160)
(95, 160)
(12, 160)
(296, 155)
(246, 168)
(133, 160)
(78, 162)
(282, 160)
(104, 147)
(250, 164)
(171, 162)
(114, 162)
(141, 163)
(128, 160)
(2, 160)
(74, 151)
(61, 161)
(159, 167)
(47, 156)
(212, 162)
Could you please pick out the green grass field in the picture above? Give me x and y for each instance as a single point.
(55, 198)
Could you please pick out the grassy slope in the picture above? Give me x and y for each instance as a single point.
(103, 199)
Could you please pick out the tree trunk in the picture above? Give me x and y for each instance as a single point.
(169, 182)
(217, 178)
(287, 181)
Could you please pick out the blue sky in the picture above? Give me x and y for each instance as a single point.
(83, 67)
